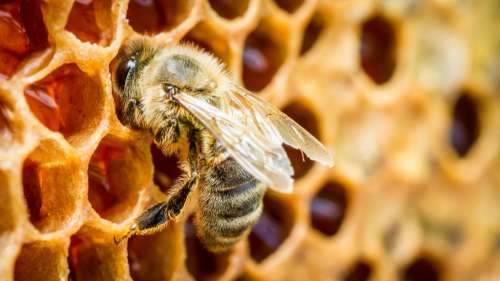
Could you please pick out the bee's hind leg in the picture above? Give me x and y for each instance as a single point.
(156, 218)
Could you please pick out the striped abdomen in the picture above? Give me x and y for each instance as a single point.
(230, 203)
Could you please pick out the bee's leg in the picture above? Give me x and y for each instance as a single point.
(155, 218)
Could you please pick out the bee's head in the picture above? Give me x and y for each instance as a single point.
(128, 65)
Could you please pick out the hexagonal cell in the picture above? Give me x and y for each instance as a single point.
(360, 271)
(90, 21)
(306, 118)
(67, 101)
(117, 171)
(92, 260)
(202, 264)
(52, 186)
(263, 55)
(465, 125)
(289, 5)
(167, 169)
(154, 257)
(22, 23)
(207, 37)
(272, 228)
(154, 16)
(41, 261)
(328, 208)
(378, 51)
(229, 9)
(312, 33)
(422, 269)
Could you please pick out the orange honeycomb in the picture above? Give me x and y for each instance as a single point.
(405, 92)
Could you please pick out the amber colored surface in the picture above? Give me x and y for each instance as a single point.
(378, 49)
(67, 100)
(464, 127)
(405, 93)
(167, 169)
(229, 9)
(271, 229)
(262, 57)
(422, 269)
(289, 5)
(304, 117)
(202, 264)
(361, 271)
(328, 208)
(312, 32)
(153, 16)
(82, 21)
(21, 24)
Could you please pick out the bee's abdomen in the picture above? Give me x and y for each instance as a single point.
(229, 205)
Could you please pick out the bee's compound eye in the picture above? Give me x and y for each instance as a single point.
(124, 70)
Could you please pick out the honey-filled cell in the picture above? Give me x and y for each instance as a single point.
(272, 229)
(306, 118)
(115, 177)
(154, 16)
(90, 21)
(228, 8)
(263, 54)
(67, 101)
(155, 257)
(202, 264)
(50, 208)
(378, 51)
(22, 25)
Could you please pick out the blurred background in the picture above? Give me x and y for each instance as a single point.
(404, 93)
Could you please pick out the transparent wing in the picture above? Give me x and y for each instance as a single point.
(253, 143)
(290, 132)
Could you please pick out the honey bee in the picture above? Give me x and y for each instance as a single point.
(234, 139)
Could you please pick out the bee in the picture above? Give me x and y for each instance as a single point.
(182, 95)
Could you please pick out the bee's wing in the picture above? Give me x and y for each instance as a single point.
(291, 133)
(253, 143)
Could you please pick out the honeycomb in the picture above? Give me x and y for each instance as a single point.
(405, 92)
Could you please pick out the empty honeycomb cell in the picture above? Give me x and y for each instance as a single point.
(312, 33)
(210, 39)
(228, 8)
(307, 119)
(90, 21)
(154, 257)
(328, 208)
(272, 228)
(465, 125)
(289, 5)
(360, 271)
(421, 269)
(67, 101)
(263, 54)
(22, 23)
(41, 261)
(202, 264)
(378, 49)
(116, 174)
(91, 260)
(50, 208)
(167, 169)
(153, 16)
